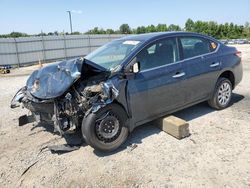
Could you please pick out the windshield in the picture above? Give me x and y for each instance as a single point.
(111, 55)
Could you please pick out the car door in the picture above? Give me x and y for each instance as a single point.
(201, 66)
(156, 88)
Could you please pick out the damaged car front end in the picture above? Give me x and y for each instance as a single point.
(67, 93)
(57, 93)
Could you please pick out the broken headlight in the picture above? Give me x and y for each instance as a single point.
(35, 86)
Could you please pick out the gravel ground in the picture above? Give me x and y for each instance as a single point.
(217, 154)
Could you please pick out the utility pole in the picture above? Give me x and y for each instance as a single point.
(70, 21)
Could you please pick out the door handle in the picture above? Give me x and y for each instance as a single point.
(215, 64)
(179, 74)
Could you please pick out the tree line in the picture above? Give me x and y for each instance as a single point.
(211, 28)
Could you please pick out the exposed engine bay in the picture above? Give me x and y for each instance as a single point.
(66, 92)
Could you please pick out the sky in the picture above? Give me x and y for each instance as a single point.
(50, 15)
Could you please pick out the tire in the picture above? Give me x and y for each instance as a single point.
(222, 94)
(105, 129)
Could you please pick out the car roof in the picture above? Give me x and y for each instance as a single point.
(151, 36)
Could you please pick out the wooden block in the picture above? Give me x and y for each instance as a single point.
(174, 126)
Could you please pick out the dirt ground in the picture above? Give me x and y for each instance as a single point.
(217, 154)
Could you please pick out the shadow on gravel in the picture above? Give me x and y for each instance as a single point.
(201, 109)
(134, 139)
(75, 141)
(148, 129)
(236, 98)
(48, 127)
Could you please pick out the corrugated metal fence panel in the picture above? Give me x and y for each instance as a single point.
(77, 46)
(8, 53)
(29, 49)
(8, 59)
(7, 46)
(55, 42)
(29, 44)
(30, 57)
(26, 50)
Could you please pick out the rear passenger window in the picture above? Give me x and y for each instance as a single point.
(159, 53)
(194, 46)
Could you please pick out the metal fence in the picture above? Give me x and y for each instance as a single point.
(29, 50)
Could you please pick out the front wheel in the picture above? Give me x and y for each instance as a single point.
(222, 94)
(105, 130)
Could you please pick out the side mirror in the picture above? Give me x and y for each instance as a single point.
(135, 67)
(132, 67)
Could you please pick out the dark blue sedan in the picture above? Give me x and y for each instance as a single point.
(131, 81)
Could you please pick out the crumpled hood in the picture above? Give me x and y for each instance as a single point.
(55, 79)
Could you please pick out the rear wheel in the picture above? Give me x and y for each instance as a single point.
(105, 130)
(222, 95)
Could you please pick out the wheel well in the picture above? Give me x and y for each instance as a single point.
(116, 102)
(229, 75)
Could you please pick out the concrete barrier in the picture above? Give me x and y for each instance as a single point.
(174, 126)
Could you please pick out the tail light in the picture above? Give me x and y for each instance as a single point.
(238, 53)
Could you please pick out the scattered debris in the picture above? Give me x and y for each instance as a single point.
(192, 140)
(64, 148)
(35, 132)
(222, 128)
(27, 169)
(131, 147)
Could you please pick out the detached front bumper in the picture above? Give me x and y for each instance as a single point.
(41, 109)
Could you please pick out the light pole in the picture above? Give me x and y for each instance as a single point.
(70, 21)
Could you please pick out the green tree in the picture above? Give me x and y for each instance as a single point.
(141, 29)
(173, 27)
(150, 29)
(161, 28)
(76, 33)
(96, 30)
(17, 34)
(246, 30)
(212, 29)
(110, 31)
(189, 25)
(56, 33)
(125, 29)
(102, 31)
(225, 30)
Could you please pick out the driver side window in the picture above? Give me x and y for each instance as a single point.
(159, 53)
